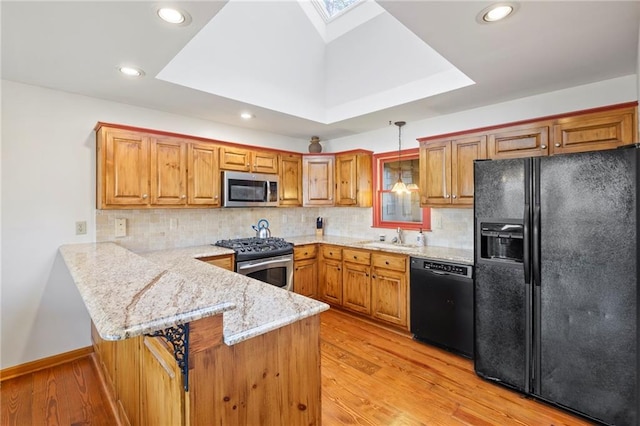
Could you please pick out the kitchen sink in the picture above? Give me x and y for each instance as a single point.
(390, 246)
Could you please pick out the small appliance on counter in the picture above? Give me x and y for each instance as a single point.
(319, 227)
(262, 229)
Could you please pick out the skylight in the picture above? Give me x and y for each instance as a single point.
(329, 9)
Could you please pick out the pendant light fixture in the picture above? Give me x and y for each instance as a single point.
(399, 187)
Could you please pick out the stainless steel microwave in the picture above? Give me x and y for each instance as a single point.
(241, 189)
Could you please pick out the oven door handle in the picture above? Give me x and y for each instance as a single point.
(257, 265)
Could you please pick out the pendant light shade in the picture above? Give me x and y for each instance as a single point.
(399, 187)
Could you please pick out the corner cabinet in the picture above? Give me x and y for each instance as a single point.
(446, 171)
(317, 178)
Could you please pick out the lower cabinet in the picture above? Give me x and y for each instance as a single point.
(305, 270)
(330, 285)
(389, 298)
(161, 384)
(224, 261)
(356, 281)
(371, 283)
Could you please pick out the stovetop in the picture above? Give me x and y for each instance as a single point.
(256, 248)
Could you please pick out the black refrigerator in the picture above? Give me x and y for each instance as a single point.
(556, 284)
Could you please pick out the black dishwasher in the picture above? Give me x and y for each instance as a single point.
(442, 304)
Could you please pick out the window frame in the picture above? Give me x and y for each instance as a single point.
(379, 159)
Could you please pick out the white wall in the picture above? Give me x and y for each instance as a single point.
(48, 180)
(48, 183)
(608, 92)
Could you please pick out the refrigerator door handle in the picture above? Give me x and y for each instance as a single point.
(535, 247)
(526, 251)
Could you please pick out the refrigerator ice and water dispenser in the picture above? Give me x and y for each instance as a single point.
(502, 241)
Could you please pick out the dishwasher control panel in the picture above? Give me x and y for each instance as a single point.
(443, 267)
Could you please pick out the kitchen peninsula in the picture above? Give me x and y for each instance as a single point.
(182, 342)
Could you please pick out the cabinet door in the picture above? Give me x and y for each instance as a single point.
(356, 287)
(203, 175)
(317, 179)
(595, 131)
(290, 180)
(161, 385)
(168, 172)
(123, 168)
(232, 158)
(435, 173)
(519, 142)
(389, 296)
(128, 379)
(346, 180)
(331, 281)
(305, 277)
(463, 152)
(264, 162)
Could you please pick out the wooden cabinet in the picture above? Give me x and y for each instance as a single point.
(245, 160)
(389, 297)
(354, 179)
(127, 380)
(140, 170)
(168, 172)
(290, 180)
(225, 261)
(305, 270)
(122, 168)
(203, 177)
(595, 131)
(330, 284)
(356, 281)
(519, 141)
(446, 171)
(318, 180)
(161, 384)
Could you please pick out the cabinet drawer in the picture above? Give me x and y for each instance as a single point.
(332, 252)
(357, 256)
(305, 252)
(387, 261)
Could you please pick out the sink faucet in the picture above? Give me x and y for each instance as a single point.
(400, 237)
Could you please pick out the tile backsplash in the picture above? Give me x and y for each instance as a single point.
(166, 228)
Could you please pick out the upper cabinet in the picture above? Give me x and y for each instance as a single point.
(317, 179)
(446, 171)
(354, 179)
(519, 141)
(142, 170)
(290, 179)
(595, 131)
(245, 160)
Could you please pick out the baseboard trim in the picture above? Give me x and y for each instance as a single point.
(41, 364)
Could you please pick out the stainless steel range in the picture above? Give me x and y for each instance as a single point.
(266, 259)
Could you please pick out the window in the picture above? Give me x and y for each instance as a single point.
(392, 210)
(329, 9)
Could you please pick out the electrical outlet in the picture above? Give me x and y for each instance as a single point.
(81, 228)
(121, 227)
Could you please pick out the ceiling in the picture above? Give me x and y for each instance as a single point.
(403, 61)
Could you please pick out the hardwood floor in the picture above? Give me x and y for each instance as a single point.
(370, 376)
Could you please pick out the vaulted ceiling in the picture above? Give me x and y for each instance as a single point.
(382, 61)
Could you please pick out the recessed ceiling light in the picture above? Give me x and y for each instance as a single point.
(496, 12)
(246, 115)
(174, 16)
(131, 71)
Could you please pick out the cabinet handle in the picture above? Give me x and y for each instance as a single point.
(339, 269)
(446, 195)
(454, 196)
(183, 196)
(144, 196)
(373, 276)
(557, 145)
(248, 165)
(543, 146)
(386, 262)
(355, 257)
(367, 275)
(305, 253)
(215, 198)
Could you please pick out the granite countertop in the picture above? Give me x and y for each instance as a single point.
(129, 294)
(427, 252)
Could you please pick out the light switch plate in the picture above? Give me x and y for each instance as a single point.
(121, 227)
